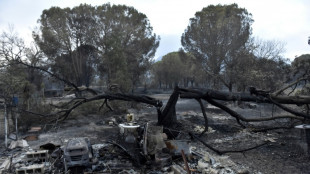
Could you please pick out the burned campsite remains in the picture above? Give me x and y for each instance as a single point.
(87, 96)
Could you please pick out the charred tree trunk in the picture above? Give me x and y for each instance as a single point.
(168, 117)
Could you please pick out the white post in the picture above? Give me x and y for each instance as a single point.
(5, 126)
(16, 127)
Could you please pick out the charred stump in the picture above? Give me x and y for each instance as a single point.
(167, 117)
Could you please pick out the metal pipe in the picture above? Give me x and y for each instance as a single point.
(5, 126)
(185, 162)
(16, 127)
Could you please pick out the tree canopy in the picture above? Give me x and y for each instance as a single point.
(116, 40)
(216, 35)
(177, 69)
(220, 39)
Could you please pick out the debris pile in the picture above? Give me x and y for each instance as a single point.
(137, 149)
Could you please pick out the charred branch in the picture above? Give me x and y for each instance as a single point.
(290, 110)
(167, 116)
(134, 158)
(48, 72)
(297, 100)
(273, 128)
(254, 91)
(117, 96)
(289, 85)
(107, 104)
(63, 114)
(242, 118)
(203, 110)
(193, 136)
(67, 104)
(185, 162)
(247, 97)
(82, 89)
(220, 152)
(211, 95)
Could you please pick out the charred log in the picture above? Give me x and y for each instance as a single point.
(74, 103)
(221, 152)
(262, 96)
(203, 110)
(247, 97)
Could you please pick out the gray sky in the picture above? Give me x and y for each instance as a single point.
(287, 21)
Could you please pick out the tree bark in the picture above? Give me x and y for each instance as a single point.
(168, 116)
(230, 96)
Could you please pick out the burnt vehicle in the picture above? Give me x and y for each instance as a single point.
(78, 152)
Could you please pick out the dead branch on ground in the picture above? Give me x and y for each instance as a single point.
(289, 85)
(221, 152)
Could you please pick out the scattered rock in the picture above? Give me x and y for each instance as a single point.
(206, 157)
(217, 165)
(210, 171)
(210, 130)
(270, 139)
(243, 171)
(226, 171)
(202, 164)
(18, 143)
(178, 169)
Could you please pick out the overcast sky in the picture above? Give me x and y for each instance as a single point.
(287, 21)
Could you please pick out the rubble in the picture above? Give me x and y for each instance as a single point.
(136, 148)
(18, 143)
(35, 168)
(109, 158)
(178, 169)
(36, 155)
(176, 146)
(5, 164)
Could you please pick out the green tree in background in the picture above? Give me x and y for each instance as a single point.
(301, 69)
(216, 36)
(63, 36)
(16, 79)
(193, 73)
(269, 69)
(301, 65)
(116, 41)
(178, 68)
(158, 73)
(169, 70)
(127, 44)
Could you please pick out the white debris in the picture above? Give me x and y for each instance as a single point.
(18, 143)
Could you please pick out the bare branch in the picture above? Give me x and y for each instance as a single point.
(220, 152)
(49, 73)
(117, 96)
(210, 95)
(203, 110)
(290, 110)
(288, 86)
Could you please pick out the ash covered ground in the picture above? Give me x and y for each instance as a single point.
(284, 150)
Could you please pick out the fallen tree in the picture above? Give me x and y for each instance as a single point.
(212, 97)
(167, 114)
